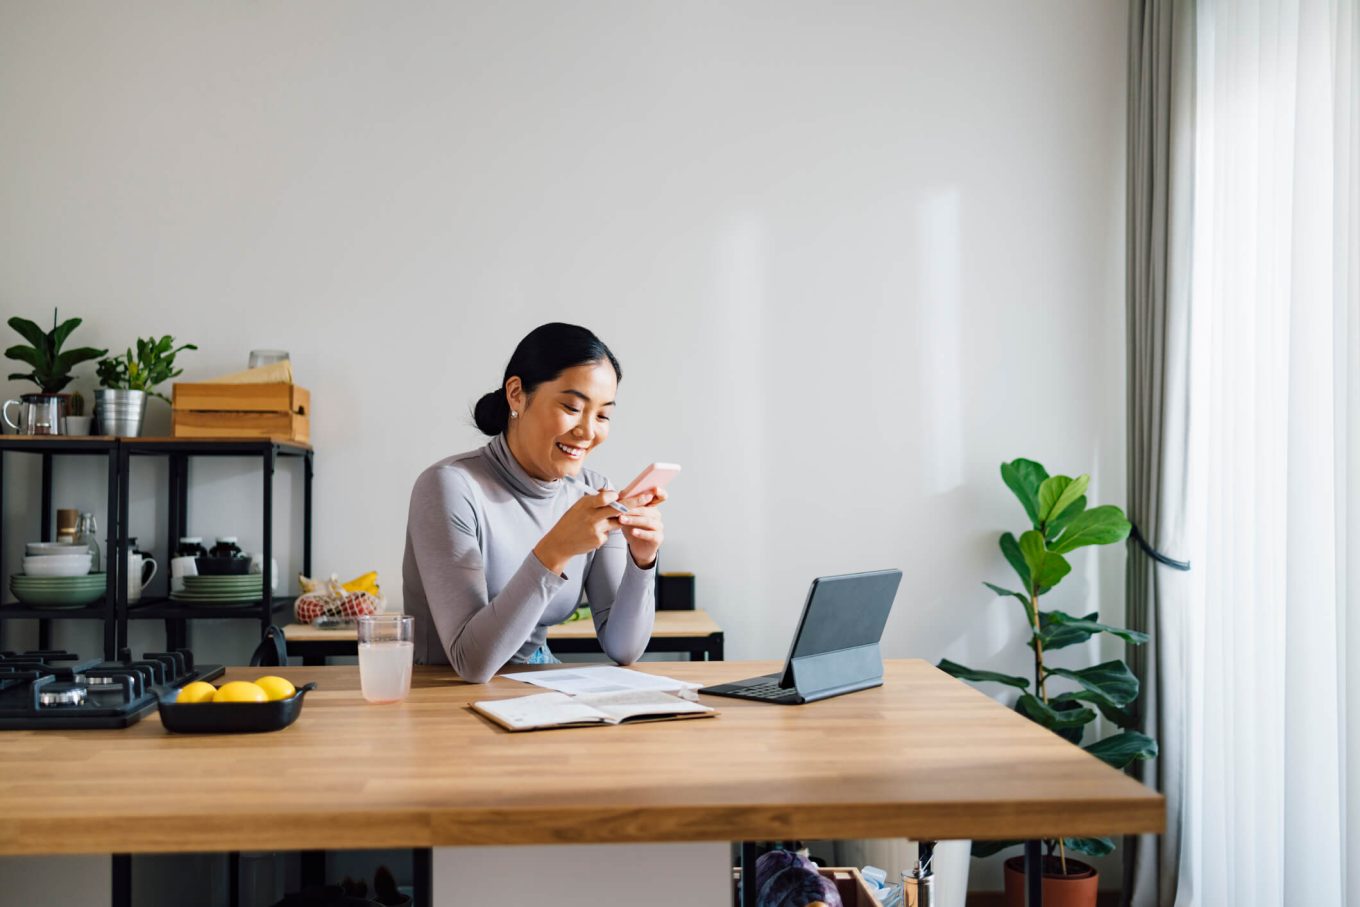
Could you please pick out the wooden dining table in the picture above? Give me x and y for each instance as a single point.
(923, 756)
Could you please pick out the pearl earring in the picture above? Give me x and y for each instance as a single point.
(513, 414)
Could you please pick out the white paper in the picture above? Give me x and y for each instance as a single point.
(600, 679)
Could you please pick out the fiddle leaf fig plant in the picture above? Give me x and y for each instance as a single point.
(153, 364)
(1064, 700)
(49, 365)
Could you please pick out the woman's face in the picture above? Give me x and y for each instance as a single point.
(562, 421)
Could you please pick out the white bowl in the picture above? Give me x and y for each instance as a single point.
(58, 565)
(40, 549)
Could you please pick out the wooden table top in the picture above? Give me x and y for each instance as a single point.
(668, 624)
(924, 756)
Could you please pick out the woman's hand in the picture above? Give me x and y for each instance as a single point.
(642, 527)
(583, 528)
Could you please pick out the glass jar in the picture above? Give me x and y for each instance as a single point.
(191, 546)
(226, 547)
(87, 536)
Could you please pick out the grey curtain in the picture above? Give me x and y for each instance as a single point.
(1160, 212)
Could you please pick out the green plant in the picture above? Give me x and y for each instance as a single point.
(50, 366)
(152, 365)
(1060, 524)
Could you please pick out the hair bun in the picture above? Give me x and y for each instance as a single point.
(492, 412)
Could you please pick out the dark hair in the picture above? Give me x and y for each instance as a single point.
(547, 351)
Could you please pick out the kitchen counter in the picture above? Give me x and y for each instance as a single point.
(923, 756)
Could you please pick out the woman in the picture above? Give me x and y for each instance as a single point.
(502, 541)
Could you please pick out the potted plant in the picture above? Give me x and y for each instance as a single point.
(1064, 700)
(77, 423)
(127, 379)
(49, 368)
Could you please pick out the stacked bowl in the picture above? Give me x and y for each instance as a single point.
(57, 575)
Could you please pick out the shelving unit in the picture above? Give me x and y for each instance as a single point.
(115, 610)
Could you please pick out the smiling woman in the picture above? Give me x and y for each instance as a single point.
(503, 541)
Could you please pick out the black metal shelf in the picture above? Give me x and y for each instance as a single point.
(117, 611)
(160, 608)
(87, 612)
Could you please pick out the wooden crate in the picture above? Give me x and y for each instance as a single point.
(278, 411)
(854, 891)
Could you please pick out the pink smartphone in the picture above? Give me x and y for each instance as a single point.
(653, 477)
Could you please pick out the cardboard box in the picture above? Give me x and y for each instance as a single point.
(281, 412)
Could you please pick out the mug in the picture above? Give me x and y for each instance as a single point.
(180, 567)
(39, 414)
(137, 575)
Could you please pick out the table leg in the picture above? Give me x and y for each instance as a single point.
(748, 874)
(313, 867)
(1034, 874)
(234, 878)
(715, 647)
(121, 894)
(422, 883)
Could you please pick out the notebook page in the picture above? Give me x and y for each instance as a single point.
(633, 703)
(542, 710)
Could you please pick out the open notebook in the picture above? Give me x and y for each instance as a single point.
(549, 710)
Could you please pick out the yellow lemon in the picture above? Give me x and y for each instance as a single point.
(240, 691)
(198, 691)
(275, 687)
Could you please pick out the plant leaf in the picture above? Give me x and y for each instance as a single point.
(27, 355)
(1111, 680)
(988, 848)
(36, 336)
(1057, 493)
(1010, 548)
(71, 358)
(1058, 630)
(1036, 710)
(1046, 568)
(61, 332)
(1024, 478)
(962, 673)
(1092, 847)
(1123, 748)
(1117, 716)
(1097, 526)
(1055, 526)
(1004, 592)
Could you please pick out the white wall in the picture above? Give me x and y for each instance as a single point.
(851, 257)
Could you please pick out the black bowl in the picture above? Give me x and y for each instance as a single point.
(222, 566)
(232, 717)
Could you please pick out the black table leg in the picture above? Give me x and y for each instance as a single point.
(234, 878)
(313, 868)
(122, 880)
(715, 647)
(748, 874)
(1034, 874)
(422, 883)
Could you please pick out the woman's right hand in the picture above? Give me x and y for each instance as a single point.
(583, 528)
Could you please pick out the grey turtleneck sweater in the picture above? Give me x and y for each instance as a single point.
(479, 595)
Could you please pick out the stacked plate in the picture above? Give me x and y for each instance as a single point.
(220, 590)
(58, 591)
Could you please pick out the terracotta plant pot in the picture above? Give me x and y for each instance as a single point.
(1076, 889)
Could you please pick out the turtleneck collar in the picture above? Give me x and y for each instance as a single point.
(510, 472)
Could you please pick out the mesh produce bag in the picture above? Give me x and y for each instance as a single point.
(330, 600)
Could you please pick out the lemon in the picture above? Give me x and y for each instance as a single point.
(198, 691)
(240, 691)
(275, 687)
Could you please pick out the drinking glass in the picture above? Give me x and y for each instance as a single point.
(386, 650)
(267, 357)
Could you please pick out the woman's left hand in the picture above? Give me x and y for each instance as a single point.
(642, 527)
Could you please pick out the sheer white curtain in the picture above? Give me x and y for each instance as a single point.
(1273, 780)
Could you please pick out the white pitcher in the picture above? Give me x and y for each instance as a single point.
(137, 577)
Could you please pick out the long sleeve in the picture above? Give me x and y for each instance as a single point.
(622, 600)
(478, 634)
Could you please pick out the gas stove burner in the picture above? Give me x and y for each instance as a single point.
(59, 694)
(97, 680)
(42, 690)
